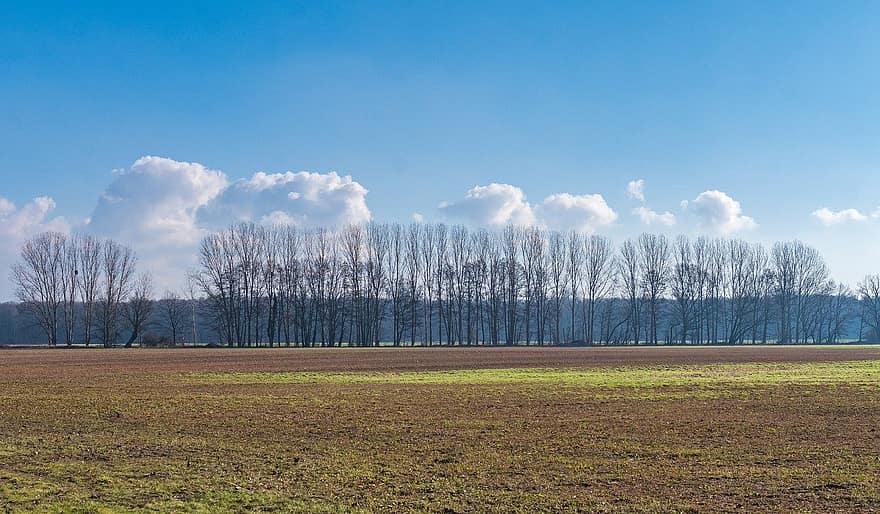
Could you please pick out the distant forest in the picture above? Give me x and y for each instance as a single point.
(432, 284)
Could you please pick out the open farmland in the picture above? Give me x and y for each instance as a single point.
(441, 429)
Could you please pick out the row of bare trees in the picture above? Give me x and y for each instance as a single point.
(434, 284)
(82, 289)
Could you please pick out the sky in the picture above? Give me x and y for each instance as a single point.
(155, 123)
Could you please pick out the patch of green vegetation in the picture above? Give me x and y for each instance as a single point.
(852, 373)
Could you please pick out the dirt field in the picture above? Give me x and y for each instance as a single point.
(445, 430)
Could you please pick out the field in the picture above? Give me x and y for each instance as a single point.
(442, 430)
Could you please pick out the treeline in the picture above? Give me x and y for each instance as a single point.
(432, 284)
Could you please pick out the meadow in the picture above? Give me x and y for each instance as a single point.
(441, 429)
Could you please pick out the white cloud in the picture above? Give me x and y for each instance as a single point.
(649, 217)
(155, 201)
(418, 217)
(828, 217)
(162, 208)
(497, 205)
(493, 205)
(636, 189)
(151, 207)
(20, 223)
(585, 213)
(718, 211)
(303, 199)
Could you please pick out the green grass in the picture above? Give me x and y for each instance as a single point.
(853, 373)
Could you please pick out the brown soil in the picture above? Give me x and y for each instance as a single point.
(124, 429)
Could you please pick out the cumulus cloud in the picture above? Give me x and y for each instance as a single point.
(635, 189)
(718, 211)
(649, 217)
(828, 217)
(496, 205)
(162, 208)
(493, 205)
(18, 224)
(303, 199)
(418, 217)
(155, 201)
(585, 213)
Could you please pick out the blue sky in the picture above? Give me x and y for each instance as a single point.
(776, 105)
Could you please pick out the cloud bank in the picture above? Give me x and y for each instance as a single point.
(301, 199)
(496, 205)
(162, 208)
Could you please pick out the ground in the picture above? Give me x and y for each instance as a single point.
(444, 430)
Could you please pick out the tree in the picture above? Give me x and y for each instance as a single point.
(173, 313)
(118, 266)
(39, 281)
(139, 308)
(598, 275)
(69, 282)
(573, 269)
(654, 252)
(629, 271)
(684, 285)
(90, 251)
(869, 297)
(557, 279)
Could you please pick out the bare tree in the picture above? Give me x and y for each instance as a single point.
(38, 279)
(414, 274)
(629, 271)
(598, 275)
(138, 310)
(654, 252)
(800, 275)
(90, 252)
(397, 286)
(511, 276)
(376, 278)
(558, 283)
(173, 314)
(574, 271)
(69, 282)
(685, 287)
(118, 266)
(869, 297)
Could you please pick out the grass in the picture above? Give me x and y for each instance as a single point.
(856, 373)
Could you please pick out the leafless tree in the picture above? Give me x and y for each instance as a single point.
(598, 275)
(138, 311)
(558, 279)
(414, 274)
(118, 268)
(654, 253)
(801, 273)
(629, 270)
(574, 266)
(869, 298)
(90, 252)
(69, 282)
(685, 287)
(173, 314)
(39, 281)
